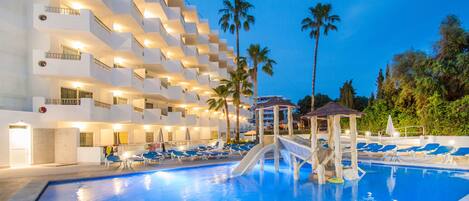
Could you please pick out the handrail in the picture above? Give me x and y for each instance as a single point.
(138, 10)
(62, 101)
(137, 109)
(63, 56)
(63, 11)
(102, 104)
(101, 23)
(138, 43)
(137, 76)
(101, 64)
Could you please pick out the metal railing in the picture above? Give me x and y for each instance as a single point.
(101, 64)
(62, 101)
(138, 76)
(138, 43)
(137, 109)
(63, 11)
(62, 56)
(101, 23)
(102, 104)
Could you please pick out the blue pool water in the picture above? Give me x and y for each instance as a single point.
(381, 182)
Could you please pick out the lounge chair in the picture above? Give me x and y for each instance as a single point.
(111, 159)
(387, 148)
(152, 156)
(440, 151)
(461, 152)
(409, 149)
(179, 155)
(370, 147)
(360, 145)
(428, 147)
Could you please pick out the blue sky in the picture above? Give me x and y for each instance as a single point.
(370, 33)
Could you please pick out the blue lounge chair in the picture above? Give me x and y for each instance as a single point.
(360, 145)
(389, 147)
(152, 156)
(441, 150)
(178, 154)
(461, 151)
(409, 149)
(428, 147)
(112, 159)
(371, 146)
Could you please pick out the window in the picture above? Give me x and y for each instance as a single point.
(119, 100)
(121, 138)
(148, 105)
(67, 94)
(214, 134)
(69, 50)
(85, 94)
(170, 136)
(86, 139)
(149, 137)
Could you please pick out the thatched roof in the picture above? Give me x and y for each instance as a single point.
(332, 108)
(275, 101)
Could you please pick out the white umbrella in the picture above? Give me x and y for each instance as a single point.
(188, 137)
(161, 140)
(390, 127)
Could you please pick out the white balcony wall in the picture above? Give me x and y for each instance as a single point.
(86, 110)
(127, 43)
(173, 67)
(153, 58)
(191, 98)
(213, 47)
(190, 74)
(154, 116)
(202, 39)
(126, 77)
(175, 119)
(175, 93)
(191, 120)
(204, 80)
(152, 86)
(83, 67)
(203, 60)
(190, 51)
(125, 113)
(125, 7)
(190, 28)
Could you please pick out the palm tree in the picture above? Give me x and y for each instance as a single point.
(234, 15)
(259, 56)
(219, 101)
(319, 19)
(239, 85)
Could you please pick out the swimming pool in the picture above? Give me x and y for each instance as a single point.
(381, 182)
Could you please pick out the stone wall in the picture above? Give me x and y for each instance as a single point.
(66, 143)
(43, 146)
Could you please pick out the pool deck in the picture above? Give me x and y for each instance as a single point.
(24, 184)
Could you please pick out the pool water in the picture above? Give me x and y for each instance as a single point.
(381, 182)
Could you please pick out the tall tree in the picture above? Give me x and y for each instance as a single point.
(379, 84)
(347, 94)
(305, 103)
(259, 56)
(220, 101)
(235, 16)
(239, 85)
(319, 19)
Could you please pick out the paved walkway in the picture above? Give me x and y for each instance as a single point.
(27, 183)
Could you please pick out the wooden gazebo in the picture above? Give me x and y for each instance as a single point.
(332, 112)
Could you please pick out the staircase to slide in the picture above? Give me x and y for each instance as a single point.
(251, 159)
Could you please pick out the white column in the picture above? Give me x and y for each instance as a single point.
(296, 169)
(314, 138)
(337, 148)
(290, 121)
(261, 135)
(353, 144)
(276, 134)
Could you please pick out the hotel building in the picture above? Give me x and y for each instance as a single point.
(78, 75)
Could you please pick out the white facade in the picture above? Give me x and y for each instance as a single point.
(104, 67)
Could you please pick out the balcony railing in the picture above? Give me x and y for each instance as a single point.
(62, 56)
(63, 11)
(138, 10)
(101, 64)
(137, 109)
(137, 76)
(138, 43)
(102, 104)
(62, 101)
(101, 23)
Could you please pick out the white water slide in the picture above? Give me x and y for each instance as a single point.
(251, 159)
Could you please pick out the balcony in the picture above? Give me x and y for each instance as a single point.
(223, 72)
(190, 29)
(126, 12)
(128, 46)
(154, 88)
(191, 120)
(204, 81)
(127, 78)
(126, 113)
(203, 121)
(155, 31)
(214, 84)
(83, 67)
(154, 58)
(203, 60)
(84, 109)
(213, 48)
(172, 68)
(154, 116)
(191, 98)
(75, 25)
(175, 94)
(176, 119)
(190, 75)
